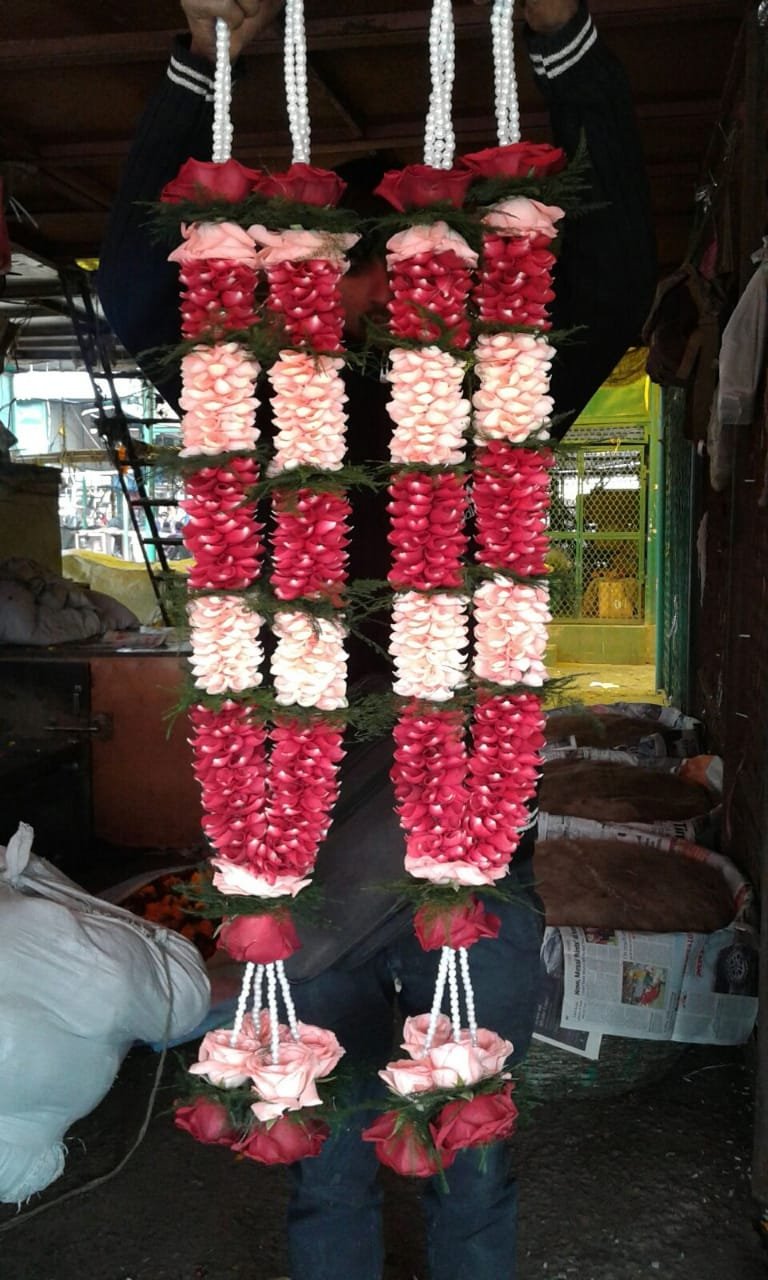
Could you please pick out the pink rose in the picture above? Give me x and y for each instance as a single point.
(296, 245)
(259, 939)
(206, 181)
(456, 1064)
(458, 926)
(517, 160)
(458, 872)
(286, 1085)
(431, 238)
(419, 185)
(406, 1076)
(207, 1121)
(223, 1063)
(231, 878)
(415, 1031)
(304, 184)
(475, 1123)
(520, 216)
(399, 1146)
(283, 1141)
(205, 240)
(323, 1046)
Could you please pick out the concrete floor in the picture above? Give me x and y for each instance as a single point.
(597, 682)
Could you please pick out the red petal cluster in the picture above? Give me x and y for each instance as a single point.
(302, 183)
(231, 766)
(283, 1141)
(209, 180)
(507, 737)
(306, 296)
(221, 531)
(429, 776)
(474, 1122)
(427, 533)
(399, 1145)
(303, 788)
(310, 544)
(456, 927)
(217, 296)
(438, 283)
(419, 185)
(259, 939)
(511, 497)
(515, 281)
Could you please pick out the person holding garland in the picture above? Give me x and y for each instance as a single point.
(364, 960)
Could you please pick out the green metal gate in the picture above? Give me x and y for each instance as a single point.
(598, 526)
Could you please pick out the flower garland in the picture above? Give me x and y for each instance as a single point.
(462, 788)
(268, 789)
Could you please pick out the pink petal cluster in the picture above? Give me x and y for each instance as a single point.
(429, 777)
(428, 408)
(235, 880)
(221, 530)
(504, 764)
(427, 534)
(514, 284)
(449, 1063)
(217, 297)
(310, 544)
(510, 632)
(309, 665)
(308, 408)
(218, 399)
(285, 1085)
(205, 240)
(510, 492)
(428, 639)
(230, 763)
(462, 811)
(512, 400)
(226, 649)
(296, 245)
(303, 788)
(306, 297)
(519, 216)
(430, 271)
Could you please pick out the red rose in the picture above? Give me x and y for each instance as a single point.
(399, 1146)
(485, 1119)
(518, 160)
(259, 939)
(458, 926)
(419, 185)
(283, 1141)
(304, 184)
(205, 181)
(207, 1121)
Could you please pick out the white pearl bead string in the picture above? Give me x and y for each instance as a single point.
(439, 138)
(290, 1008)
(222, 96)
(295, 66)
(245, 991)
(507, 102)
(274, 1019)
(453, 988)
(469, 994)
(442, 973)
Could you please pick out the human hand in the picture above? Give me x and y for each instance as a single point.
(245, 19)
(546, 16)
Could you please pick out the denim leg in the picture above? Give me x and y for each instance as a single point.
(334, 1214)
(471, 1230)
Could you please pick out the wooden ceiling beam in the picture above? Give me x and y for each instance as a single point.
(351, 32)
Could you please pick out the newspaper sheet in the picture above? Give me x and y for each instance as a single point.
(690, 987)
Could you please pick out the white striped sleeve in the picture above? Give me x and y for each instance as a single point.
(188, 78)
(552, 65)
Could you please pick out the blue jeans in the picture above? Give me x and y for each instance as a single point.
(334, 1216)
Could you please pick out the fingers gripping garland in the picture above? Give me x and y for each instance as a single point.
(267, 789)
(462, 790)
